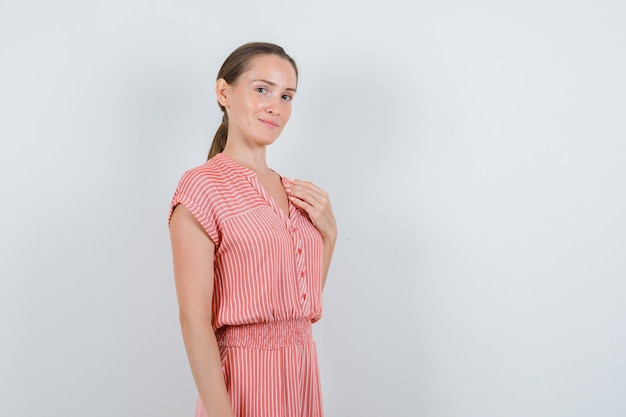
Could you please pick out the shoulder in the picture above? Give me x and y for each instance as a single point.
(202, 177)
(199, 188)
(209, 169)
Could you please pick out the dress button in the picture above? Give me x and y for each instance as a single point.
(303, 297)
(295, 229)
(299, 251)
(302, 274)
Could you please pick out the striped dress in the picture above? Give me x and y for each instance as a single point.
(267, 290)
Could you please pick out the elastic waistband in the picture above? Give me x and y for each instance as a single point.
(272, 335)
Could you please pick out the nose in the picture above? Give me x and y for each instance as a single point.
(273, 110)
(273, 107)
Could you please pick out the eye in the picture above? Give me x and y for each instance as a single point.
(287, 97)
(261, 90)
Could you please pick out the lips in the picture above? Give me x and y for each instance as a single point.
(269, 123)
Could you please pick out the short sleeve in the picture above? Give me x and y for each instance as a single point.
(195, 191)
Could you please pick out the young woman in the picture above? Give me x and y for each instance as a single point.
(251, 253)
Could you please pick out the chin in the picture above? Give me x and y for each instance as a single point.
(267, 140)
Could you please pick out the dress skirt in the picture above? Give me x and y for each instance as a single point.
(270, 370)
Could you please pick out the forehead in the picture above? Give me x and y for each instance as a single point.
(272, 68)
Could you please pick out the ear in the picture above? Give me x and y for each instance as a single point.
(222, 92)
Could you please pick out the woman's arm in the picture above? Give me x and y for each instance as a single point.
(329, 247)
(316, 203)
(193, 253)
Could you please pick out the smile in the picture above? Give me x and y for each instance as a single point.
(268, 123)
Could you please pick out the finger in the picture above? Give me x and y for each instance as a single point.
(302, 204)
(309, 197)
(307, 185)
(313, 195)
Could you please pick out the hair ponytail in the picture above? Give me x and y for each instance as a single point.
(219, 140)
(236, 64)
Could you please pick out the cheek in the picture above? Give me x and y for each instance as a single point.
(259, 104)
(251, 103)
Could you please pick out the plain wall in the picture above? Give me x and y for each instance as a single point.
(474, 152)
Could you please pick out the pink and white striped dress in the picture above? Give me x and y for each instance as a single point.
(267, 290)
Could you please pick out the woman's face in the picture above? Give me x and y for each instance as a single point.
(259, 102)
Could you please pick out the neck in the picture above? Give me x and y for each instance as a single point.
(253, 159)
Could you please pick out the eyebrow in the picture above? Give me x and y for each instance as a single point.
(274, 85)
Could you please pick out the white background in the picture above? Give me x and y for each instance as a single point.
(474, 154)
